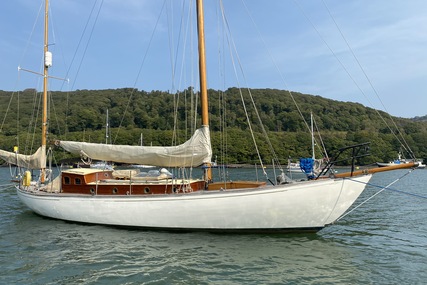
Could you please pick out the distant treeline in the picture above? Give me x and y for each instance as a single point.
(134, 114)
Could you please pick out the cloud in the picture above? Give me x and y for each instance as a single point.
(387, 36)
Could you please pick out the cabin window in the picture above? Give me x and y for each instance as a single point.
(77, 181)
(92, 191)
(67, 180)
(115, 190)
(146, 190)
(174, 190)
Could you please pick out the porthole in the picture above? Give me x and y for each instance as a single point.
(115, 190)
(105, 174)
(146, 190)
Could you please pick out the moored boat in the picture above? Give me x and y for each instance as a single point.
(165, 201)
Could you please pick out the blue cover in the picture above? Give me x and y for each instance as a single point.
(306, 165)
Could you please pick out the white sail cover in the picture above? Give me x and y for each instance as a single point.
(194, 152)
(33, 161)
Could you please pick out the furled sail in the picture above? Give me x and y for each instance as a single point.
(33, 161)
(194, 152)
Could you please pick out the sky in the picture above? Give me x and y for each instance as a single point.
(368, 51)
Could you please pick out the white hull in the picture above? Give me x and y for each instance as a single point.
(307, 205)
(294, 169)
(384, 164)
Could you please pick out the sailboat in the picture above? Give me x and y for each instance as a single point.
(309, 166)
(401, 160)
(165, 202)
(103, 164)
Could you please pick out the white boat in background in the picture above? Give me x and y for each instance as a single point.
(101, 165)
(125, 198)
(421, 165)
(400, 160)
(293, 167)
(309, 166)
(141, 166)
(419, 162)
(394, 162)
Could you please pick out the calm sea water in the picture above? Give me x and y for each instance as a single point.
(382, 242)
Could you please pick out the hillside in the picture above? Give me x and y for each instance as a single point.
(420, 119)
(81, 115)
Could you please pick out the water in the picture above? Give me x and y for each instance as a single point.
(382, 242)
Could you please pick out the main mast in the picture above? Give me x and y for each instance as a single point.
(202, 74)
(47, 63)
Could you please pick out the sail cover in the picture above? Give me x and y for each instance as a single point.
(33, 161)
(194, 152)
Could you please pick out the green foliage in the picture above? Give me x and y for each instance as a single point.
(81, 115)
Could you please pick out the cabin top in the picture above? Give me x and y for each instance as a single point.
(83, 171)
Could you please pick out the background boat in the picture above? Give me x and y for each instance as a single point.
(401, 160)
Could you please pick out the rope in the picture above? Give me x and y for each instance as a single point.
(405, 145)
(232, 47)
(382, 189)
(400, 191)
(139, 73)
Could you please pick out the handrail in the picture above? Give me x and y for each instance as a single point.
(355, 153)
